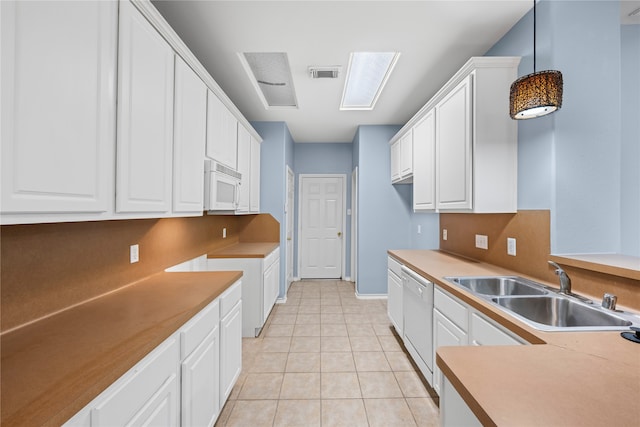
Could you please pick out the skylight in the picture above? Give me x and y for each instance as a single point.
(367, 74)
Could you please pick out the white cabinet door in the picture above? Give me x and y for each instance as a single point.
(222, 132)
(190, 133)
(445, 333)
(244, 167)
(148, 394)
(271, 287)
(454, 145)
(394, 300)
(230, 351)
(406, 154)
(58, 105)
(395, 161)
(454, 411)
(145, 115)
(254, 179)
(424, 163)
(201, 383)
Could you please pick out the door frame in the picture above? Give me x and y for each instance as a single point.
(289, 217)
(354, 225)
(343, 177)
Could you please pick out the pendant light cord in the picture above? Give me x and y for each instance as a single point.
(534, 36)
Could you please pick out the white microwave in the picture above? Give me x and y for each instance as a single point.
(221, 187)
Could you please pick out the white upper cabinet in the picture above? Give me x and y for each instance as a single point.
(406, 154)
(395, 161)
(424, 163)
(402, 159)
(453, 130)
(465, 142)
(222, 133)
(190, 133)
(106, 114)
(254, 179)
(145, 116)
(244, 167)
(58, 84)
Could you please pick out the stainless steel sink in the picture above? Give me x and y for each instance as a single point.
(543, 307)
(560, 312)
(499, 285)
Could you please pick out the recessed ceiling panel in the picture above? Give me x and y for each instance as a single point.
(271, 76)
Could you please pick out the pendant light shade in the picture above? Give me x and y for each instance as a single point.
(536, 95)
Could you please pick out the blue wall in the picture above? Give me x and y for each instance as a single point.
(630, 150)
(570, 162)
(325, 158)
(384, 210)
(276, 152)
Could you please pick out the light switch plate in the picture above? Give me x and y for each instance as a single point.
(511, 246)
(444, 234)
(134, 253)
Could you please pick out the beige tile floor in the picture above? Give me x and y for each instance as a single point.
(326, 358)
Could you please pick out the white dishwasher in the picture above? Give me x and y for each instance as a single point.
(418, 320)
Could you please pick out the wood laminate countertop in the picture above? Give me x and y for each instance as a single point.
(565, 378)
(244, 250)
(54, 367)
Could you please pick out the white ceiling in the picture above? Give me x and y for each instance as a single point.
(435, 38)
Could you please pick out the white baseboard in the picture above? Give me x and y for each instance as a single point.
(370, 296)
(296, 279)
(281, 300)
(346, 279)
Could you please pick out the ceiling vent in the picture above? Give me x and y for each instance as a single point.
(270, 75)
(324, 72)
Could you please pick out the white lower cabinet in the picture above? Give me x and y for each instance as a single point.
(200, 376)
(146, 395)
(445, 334)
(455, 323)
(230, 340)
(394, 294)
(453, 409)
(260, 287)
(185, 381)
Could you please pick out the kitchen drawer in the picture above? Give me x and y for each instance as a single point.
(485, 332)
(196, 329)
(454, 310)
(230, 298)
(271, 258)
(394, 266)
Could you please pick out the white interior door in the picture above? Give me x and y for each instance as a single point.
(289, 224)
(321, 226)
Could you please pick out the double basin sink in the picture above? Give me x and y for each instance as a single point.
(542, 307)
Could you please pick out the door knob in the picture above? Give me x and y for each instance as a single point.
(339, 233)
(288, 238)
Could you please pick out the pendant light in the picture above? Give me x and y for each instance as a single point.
(536, 94)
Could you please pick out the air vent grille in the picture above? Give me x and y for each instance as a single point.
(324, 72)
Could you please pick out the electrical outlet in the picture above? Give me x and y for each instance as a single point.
(511, 246)
(134, 253)
(482, 241)
(224, 233)
(419, 229)
(444, 234)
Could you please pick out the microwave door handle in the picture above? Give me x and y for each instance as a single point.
(236, 198)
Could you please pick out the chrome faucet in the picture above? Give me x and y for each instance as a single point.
(565, 281)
